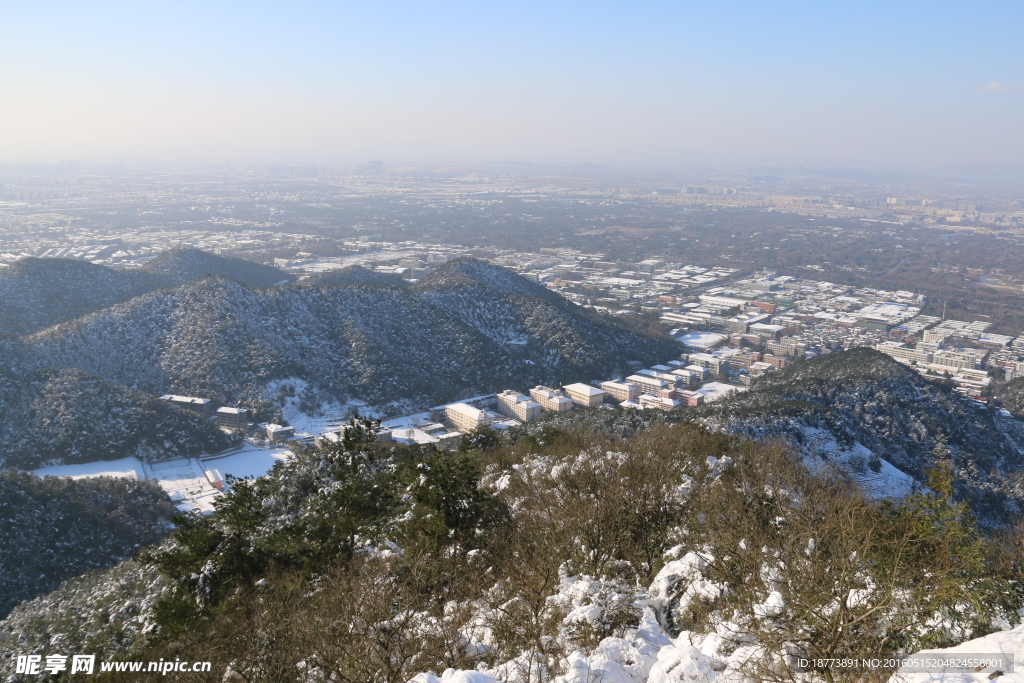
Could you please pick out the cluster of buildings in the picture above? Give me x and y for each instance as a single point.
(661, 387)
(512, 408)
(752, 324)
(230, 417)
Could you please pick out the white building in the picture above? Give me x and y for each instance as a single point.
(277, 433)
(202, 406)
(232, 418)
(649, 385)
(466, 418)
(584, 394)
(660, 402)
(706, 360)
(549, 399)
(514, 404)
(902, 352)
(620, 391)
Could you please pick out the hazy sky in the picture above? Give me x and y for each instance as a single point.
(869, 84)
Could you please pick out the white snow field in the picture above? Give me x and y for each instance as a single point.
(130, 468)
(186, 480)
(248, 461)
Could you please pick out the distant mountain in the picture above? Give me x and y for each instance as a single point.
(37, 293)
(468, 328)
(355, 275)
(470, 272)
(178, 266)
(86, 389)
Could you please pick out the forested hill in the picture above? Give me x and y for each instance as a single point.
(36, 293)
(56, 528)
(449, 336)
(1011, 395)
(866, 397)
(355, 275)
(469, 328)
(178, 266)
(564, 555)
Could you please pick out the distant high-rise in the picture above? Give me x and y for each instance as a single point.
(372, 168)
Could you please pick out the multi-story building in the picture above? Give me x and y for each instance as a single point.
(620, 391)
(742, 322)
(232, 418)
(700, 371)
(776, 361)
(688, 377)
(690, 398)
(646, 385)
(898, 350)
(660, 402)
(780, 348)
(202, 406)
(550, 399)
(466, 418)
(584, 394)
(706, 360)
(766, 330)
(723, 303)
(516, 405)
(957, 359)
(278, 433)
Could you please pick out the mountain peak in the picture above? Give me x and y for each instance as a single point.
(470, 271)
(355, 275)
(179, 266)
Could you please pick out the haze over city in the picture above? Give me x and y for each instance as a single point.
(912, 87)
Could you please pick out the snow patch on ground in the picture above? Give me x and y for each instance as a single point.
(887, 482)
(128, 468)
(248, 461)
(327, 415)
(1009, 644)
(185, 480)
(715, 391)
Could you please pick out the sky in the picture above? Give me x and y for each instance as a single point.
(859, 84)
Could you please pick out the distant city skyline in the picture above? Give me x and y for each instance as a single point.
(911, 86)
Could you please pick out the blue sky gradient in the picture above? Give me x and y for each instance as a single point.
(897, 85)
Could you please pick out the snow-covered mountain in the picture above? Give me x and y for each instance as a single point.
(36, 293)
(355, 275)
(869, 402)
(57, 528)
(178, 266)
(469, 328)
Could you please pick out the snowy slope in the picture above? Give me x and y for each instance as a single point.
(1007, 645)
(215, 335)
(38, 293)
